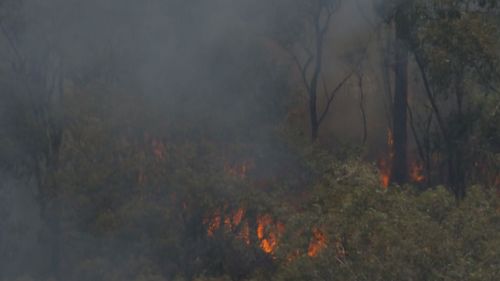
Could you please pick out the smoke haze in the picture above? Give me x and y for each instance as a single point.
(205, 68)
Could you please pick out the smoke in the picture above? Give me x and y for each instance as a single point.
(209, 66)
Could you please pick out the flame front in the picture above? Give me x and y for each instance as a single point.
(268, 232)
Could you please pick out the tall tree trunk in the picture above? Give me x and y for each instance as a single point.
(314, 116)
(400, 162)
(313, 89)
(54, 135)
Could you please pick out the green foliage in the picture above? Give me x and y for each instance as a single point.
(136, 181)
(395, 234)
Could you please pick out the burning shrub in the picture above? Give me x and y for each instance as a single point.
(397, 234)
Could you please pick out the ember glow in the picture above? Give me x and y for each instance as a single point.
(318, 242)
(384, 166)
(230, 221)
(238, 216)
(213, 224)
(417, 172)
(268, 233)
(385, 163)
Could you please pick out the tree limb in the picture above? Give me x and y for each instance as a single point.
(303, 68)
(332, 96)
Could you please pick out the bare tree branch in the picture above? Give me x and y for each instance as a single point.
(302, 68)
(431, 97)
(332, 96)
(362, 107)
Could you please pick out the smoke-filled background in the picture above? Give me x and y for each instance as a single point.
(173, 140)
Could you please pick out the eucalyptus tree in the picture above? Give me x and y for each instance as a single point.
(303, 32)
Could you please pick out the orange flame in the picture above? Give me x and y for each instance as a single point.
(268, 233)
(417, 172)
(266, 244)
(385, 164)
(262, 223)
(385, 172)
(238, 216)
(230, 222)
(213, 224)
(269, 244)
(318, 242)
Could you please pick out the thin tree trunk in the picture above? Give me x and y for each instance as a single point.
(313, 89)
(400, 162)
(362, 108)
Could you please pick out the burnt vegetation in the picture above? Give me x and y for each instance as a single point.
(249, 140)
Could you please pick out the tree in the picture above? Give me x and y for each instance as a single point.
(307, 51)
(399, 173)
(36, 116)
(396, 13)
(455, 52)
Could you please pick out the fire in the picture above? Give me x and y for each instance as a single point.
(269, 242)
(238, 216)
(417, 172)
(318, 242)
(385, 172)
(268, 245)
(213, 224)
(230, 222)
(268, 232)
(262, 223)
(385, 163)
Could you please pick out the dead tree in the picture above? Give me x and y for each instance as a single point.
(309, 62)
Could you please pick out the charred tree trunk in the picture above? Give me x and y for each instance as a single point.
(400, 105)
